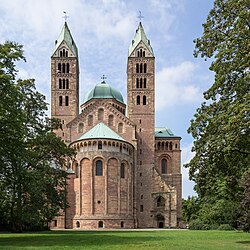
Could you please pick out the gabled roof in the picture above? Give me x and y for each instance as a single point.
(163, 132)
(67, 38)
(101, 131)
(140, 36)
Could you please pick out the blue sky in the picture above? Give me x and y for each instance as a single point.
(103, 30)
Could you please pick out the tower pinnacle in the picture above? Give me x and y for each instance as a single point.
(140, 16)
(65, 16)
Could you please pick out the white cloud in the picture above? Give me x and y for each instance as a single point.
(186, 156)
(174, 85)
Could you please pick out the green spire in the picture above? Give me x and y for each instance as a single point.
(140, 36)
(67, 38)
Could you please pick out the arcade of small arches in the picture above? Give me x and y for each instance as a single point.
(63, 83)
(141, 83)
(63, 53)
(140, 53)
(141, 68)
(63, 68)
(121, 109)
(165, 145)
(138, 100)
(103, 146)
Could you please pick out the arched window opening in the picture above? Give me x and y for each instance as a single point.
(67, 68)
(63, 67)
(138, 53)
(137, 82)
(141, 196)
(100, 224)
(59, 67)
(176, 145)
(66, 53)
(99, 145)
(77, 224)
(66, 101)
(61, 54)
(160, 202)
(120, 127)
(63, 83)
(77, 170)
(143, 54)
(122, 170)
(141, 65)
(67, 83)
(122, 224)
(80, 127)
(137, 68)
(60, 83)
(166, 145)
(98, 168)
(60, 100)
(145, 68)
(90, 120)
(140, 82)
(145, 83)
(100, 114)
(163, 166)
(170, 146)
(138, 100)
(144, 100)
(111, 120)
(141, 208)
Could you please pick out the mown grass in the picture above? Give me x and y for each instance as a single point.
(162, 239)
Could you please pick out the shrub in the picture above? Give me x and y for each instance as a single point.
(196, 225)
(225, 227)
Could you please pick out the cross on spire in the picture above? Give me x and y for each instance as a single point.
(65, 16)
(140, 16)
(103, 78)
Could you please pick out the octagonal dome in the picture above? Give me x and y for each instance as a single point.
(103, 90)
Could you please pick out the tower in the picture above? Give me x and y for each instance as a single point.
(141, 110)
(64, 80)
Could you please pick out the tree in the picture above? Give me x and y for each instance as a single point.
(244, 220)
(190, 208)
(32, 182)
(221, 126)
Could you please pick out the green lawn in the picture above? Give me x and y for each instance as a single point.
(162, 239)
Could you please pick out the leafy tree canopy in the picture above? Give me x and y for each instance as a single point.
(221, 125)
(32, 182)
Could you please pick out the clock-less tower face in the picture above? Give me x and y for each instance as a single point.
(141, 110)
(64, 80)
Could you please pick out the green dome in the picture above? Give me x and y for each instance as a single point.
(103, 90)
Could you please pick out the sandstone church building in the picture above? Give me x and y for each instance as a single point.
(127, 172)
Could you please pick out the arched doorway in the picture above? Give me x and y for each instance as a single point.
(160, 220)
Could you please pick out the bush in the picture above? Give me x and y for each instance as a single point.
(214, 227)
(196, 225)
(225, 227)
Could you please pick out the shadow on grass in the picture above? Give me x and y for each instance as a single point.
(76, 239)
(246, 242)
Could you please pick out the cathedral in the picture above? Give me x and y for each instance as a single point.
(127, 172)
